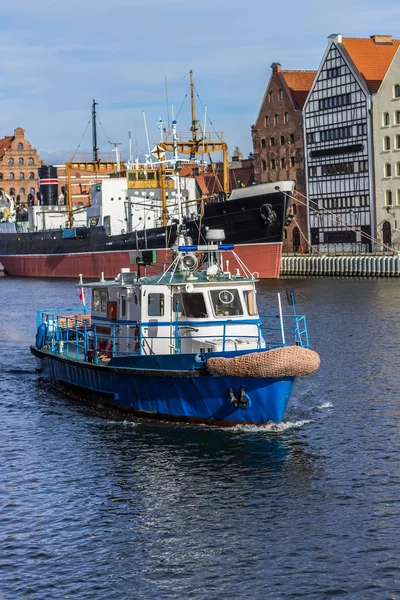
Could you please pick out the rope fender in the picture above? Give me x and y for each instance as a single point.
(289, 361)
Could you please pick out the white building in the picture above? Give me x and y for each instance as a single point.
(339, 144)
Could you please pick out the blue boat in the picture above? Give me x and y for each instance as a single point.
(186, 345)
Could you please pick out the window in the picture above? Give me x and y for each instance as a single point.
(12, 192)
(292, 138)
(294, 209)
(273, 164)
(283, 163)
(123, 306)
(96, 301)
(363, 166)
(21, 176)
(362, 129)
(388, 170)
(385, 119)
(226, 303)
(282, 140)
(335, 101)
(30, 161)
(276, 119)
(272, 141)
(271, 96)
(264, 165)
(11, 176)
(388, 198)
(251, 304)
(336, 134)
(266, 121)
(398, 197)
(32, 190)
(280, 94)
(397, 117)
(10, 161)
(338, 169)
(1, 176)
(194, 306)
(20, 146)
(20, 161)
(398, 169)
(310, 138)
(31, 176)
(155, 305)
(312, 171)
(397, 140)
(292, 161)
(331, 73)
(397, 90)
(286, 117)
(22, 191)
(386, 143)
(263, 143)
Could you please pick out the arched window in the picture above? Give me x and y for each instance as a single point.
(272, 141)
(283, 163)
(266, 121)
(398, 197)
(10, 161)
(21, 176)
(276, 119)
(397, 140)
(386, 143)
(30, 161)
(20, 161)
(263, 143)
(11, 176)
(397, 90)
(286, 117)
(31, 175)
(20, 146)
(387, 233)
(398, 169)
(280, 94)
(12, 192)
(22, 191)
(1, 176)
(282, 140)
(32, 190)
(385, 119)
(388, 198)
(388, 170)
(271, 96)
(397, 117)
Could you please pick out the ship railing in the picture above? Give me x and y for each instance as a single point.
(75, 335)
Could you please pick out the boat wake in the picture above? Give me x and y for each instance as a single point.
(325, 405)
(271, 427)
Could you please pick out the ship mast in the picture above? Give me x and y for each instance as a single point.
(94, 133)
(193, 105)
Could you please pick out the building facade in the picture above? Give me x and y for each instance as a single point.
(278, 146)
(19, 164)
(339, 142)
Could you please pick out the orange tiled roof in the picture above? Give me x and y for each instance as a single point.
(372, 60)
(5, 144)
(299, 83)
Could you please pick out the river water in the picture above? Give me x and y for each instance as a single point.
(93, 506)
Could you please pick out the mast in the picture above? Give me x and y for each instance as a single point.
(194, 121)
(94, 133)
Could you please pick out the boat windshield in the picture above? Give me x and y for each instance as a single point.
(226, 303)
(193, 305)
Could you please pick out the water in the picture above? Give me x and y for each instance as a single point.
(93, 506)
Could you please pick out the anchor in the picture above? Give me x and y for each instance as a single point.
(241, 400)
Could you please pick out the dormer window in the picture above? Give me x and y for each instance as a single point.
(20, 146)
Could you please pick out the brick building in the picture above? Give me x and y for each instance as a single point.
(19, 164)
(278, 143)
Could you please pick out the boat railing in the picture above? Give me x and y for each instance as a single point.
(74, 334)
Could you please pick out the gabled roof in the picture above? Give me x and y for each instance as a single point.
(5, 144)
(371, 59)
(299, 84)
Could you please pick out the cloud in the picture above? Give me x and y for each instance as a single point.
(57, 57)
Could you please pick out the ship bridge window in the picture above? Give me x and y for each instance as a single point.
(155, 306)
(99, 301)
(132, 176)
(226, 303)
(141, 175)
(194, 306)
(251, 303)
(151, 175)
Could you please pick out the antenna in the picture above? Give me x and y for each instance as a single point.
(147, 134)
(94, 132)
(130, 149)
(117, 154)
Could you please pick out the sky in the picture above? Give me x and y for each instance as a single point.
(57, 57)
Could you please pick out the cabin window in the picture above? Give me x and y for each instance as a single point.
(103, 300)
(123, 306)
(226, 303)
(251, 303)
(96, 301)
(150, 175)
(155, 306)
(194, 306)
(132, 176)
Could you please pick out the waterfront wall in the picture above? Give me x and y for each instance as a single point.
(350, 266)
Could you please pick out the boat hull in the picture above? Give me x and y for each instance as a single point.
(189, 396)
(262, 258)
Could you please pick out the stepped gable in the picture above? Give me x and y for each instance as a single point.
(372, 57)
(299, 84)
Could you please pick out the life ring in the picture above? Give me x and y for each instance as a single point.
(300, 249)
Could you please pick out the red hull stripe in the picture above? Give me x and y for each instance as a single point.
(48, 181)
(265, 259)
